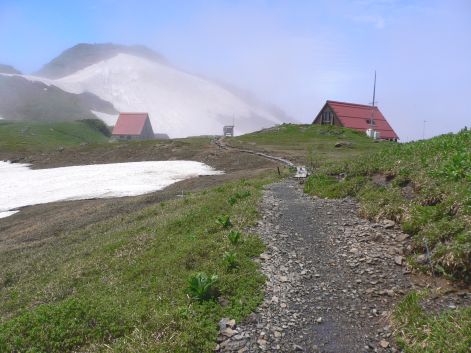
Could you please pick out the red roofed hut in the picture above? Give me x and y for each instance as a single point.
(133, 126)
(356, 116)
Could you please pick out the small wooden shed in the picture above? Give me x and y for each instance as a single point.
(228, 130)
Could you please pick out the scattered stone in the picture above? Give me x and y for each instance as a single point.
(421, 259)
(228, 332)
(398, 260)
(223, 323)
(402, 237)
(321, 262)
(265, 256)
(388, 224)
(384, 343)
(283, 279)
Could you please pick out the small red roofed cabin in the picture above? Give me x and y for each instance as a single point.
(133, 126)
(356, 116)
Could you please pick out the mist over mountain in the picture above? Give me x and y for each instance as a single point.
(7, 69)
(104, 79)
(82, 55)
(22, 99)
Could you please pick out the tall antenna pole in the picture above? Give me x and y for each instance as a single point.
(374, 91)
(372, 122)
(423, 131)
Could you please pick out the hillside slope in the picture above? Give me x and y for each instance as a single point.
(425, 186)
(308, 144)
(22, 99)
(35, 136)
(7, 69)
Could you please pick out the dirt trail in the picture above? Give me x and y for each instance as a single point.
(332, 278)
(221, 144)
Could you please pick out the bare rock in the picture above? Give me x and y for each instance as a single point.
(398, 260)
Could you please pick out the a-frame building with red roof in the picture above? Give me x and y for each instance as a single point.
(133, 126)
(356, 116)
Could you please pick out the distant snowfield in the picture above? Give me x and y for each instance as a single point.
(22, 186)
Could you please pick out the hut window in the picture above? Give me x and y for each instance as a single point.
(369, 122)
(327, 117)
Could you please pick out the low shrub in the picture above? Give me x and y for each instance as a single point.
(380, 202)
(436, 211)
(230, 260)
(224, 221)
(66, 325)
(240, 195)
(421, 332)
(234, 237)
(201, 286)
(330, 187)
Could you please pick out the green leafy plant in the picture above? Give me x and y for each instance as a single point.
(238, 196)
(192, 236)
(224, 221)
(185, 312)
(230, 260)
(234, 237)
(201, 286)
(232, 200)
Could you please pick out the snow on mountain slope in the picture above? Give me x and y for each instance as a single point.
(180, 104)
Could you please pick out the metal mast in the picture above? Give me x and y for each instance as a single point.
(372, 121)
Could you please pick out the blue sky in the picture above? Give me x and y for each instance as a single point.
(294, 54)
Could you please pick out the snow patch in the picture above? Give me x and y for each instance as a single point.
(22, 186)
(7, 213)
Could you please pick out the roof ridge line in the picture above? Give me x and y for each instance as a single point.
(356, 104)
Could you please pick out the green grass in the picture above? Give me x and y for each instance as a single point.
(310, 145)
(420, 332)
(425, 186)
(122, 285)
(34, 136)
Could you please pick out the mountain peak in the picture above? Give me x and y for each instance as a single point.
(85, 54)
(7, 69)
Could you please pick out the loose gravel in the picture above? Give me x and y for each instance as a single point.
(332, 278)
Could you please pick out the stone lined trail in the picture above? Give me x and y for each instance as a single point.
(331, 279)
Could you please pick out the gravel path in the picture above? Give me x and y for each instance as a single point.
(331, 278)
